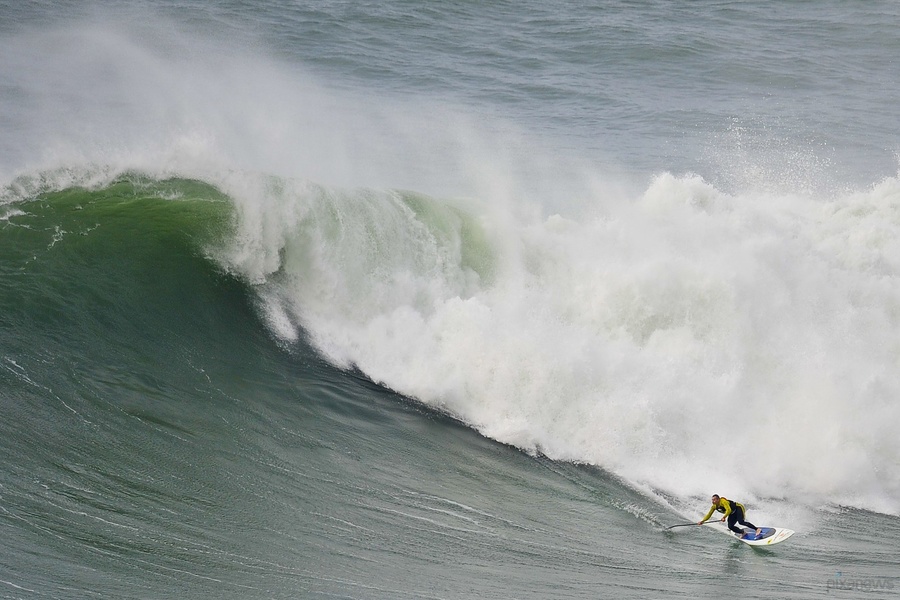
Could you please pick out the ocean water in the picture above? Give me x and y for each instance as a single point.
(444, 300)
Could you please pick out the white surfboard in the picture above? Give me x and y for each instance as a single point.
(767, 535)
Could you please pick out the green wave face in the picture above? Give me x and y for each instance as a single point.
(109, 301)
(120, 258)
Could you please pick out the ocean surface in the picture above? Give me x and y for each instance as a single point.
(448, 300)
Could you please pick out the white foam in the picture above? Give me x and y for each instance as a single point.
(693, 341)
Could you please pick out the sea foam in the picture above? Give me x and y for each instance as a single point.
(688, 339)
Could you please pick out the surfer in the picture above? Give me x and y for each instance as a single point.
(734, 512)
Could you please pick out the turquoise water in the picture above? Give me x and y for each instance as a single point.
(398, 300)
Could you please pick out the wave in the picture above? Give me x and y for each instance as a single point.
(687, 340)
(684, 334)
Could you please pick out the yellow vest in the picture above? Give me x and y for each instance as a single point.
(724, 506)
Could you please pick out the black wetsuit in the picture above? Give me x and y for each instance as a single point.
(734, 511)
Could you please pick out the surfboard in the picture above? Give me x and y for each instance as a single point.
(767, 535)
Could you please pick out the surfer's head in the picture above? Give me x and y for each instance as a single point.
(715, 498)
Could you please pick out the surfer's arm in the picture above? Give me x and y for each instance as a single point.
(707, 516)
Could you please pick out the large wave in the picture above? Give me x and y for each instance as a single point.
(683, 336)
(686, 340)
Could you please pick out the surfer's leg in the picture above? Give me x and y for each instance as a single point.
(731, 519)
(739, 515)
